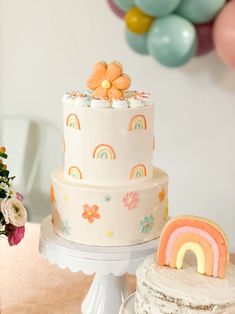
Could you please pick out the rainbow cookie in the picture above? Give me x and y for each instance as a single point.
(104, 151)
(199, 235)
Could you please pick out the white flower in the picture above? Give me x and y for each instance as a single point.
(13, 212)
(4, 186)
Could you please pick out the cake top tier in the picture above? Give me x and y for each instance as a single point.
(107, 89)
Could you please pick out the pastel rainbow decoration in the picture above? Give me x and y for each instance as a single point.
(75, 173)
(104, 151)
(138, 171)
(137, 122)
(206, 240)
(72, 121)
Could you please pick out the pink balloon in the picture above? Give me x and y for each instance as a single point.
(205, 38)
(224, 34)
(115, 9)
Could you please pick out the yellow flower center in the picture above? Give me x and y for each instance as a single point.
(105, 84)
(90, 213)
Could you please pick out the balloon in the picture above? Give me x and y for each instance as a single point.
(200, 11)
(172, 40)
(137, 21)
(157, 7)
(205, 38)
(138, 43)
(115, 9)
(224, 34)
(124, 5)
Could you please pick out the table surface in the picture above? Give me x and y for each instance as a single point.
(30, 285)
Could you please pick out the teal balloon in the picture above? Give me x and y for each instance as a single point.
(172, 40)
(157, 7)
(124, 5)
(200, 11)
(138, 43)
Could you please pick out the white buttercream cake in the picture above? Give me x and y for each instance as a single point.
(108, 192)
(163, 290)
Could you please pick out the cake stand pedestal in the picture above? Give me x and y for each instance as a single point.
(109, 287)
(128, 306)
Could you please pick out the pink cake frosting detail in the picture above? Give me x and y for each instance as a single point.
(130, 200)
(203, 234)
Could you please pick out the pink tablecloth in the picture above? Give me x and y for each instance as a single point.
(30, 285)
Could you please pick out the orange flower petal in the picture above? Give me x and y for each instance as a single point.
(86, 207)
(100, 70)
(93, 82)
(115, 93)
(98, 75)
(96, 215)
(85, 215)
(100, 92)
(91, 219)
(114, 70)
(95, 208)
(122, 82)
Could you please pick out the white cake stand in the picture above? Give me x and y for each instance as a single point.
(109, 287)
(128, 306)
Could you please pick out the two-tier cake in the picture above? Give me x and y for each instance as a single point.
(108, 193)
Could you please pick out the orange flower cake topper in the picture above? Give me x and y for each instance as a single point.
(108, 81)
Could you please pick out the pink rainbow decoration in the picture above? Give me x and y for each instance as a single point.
(206, 240)
(138, 171)
(72, 121)
(104, 151)
(75, 173)
(137, 122)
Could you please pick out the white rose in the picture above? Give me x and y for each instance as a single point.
(13, 212)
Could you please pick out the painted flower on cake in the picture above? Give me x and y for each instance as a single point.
(109, 234)
(130, 200)
(90, 213)
(108, 81)
(161, 195)
(66, 198)
(66, 227)
(146, 224)
(107, 198)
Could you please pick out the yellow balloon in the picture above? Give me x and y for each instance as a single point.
(137, 21)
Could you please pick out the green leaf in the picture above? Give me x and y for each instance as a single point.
(4, 173)
(3, 155)
(3, 194)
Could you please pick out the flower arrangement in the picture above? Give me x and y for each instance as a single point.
(13, 215)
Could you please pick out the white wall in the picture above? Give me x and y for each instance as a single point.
(49, 46)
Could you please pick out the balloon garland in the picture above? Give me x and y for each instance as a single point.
(174, 31)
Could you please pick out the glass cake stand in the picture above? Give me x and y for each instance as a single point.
(109, 287)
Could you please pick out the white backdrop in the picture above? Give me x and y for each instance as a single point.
(49, 46)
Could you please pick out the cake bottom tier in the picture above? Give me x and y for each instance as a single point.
(162, 290)
(109, 216)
